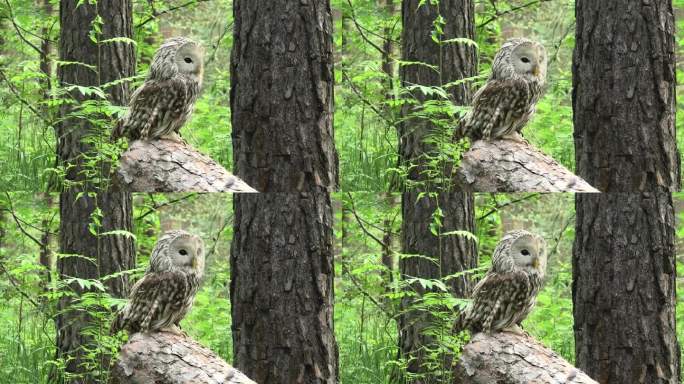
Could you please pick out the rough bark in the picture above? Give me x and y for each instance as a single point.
(447, 255)
(170, 166)
(454, 61)
(79, 207)
(507, 358)
(106, 254)
(624, 95)
(510, 166)
(112, 61)
(165, 358)
(624, 288)
(282, 95)
(282, 288)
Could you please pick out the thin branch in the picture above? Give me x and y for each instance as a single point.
(498, 206)
(354, 280)
(18, 221)
(156, 206)
(15, 284)
(156, 14)
(16, 28)
(363, 99)
(16, 94)
(498, 14)
(360, 29)
(358, 220)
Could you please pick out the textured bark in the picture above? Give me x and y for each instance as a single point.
(624, 95)
(107, 253)
(113, 61)
(169, 166)
(165, 358)
(455, 61)
(448, 254)
(506, 358)
(281, 288)
(510, 166)
(282, 95)
(624, 288)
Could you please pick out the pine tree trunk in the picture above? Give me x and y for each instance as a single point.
(624, 288)
(624, 95)
(455, 61)
(282, 95)
(79, 209)
(282, 251)
(282, 288)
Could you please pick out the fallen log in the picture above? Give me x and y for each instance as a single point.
(167, 358)
(171, 166)
(508, 358)
(514, 166)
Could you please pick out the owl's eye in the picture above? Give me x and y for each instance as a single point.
(525, 60)
(525, 252)
(188, 60)
(183, 252)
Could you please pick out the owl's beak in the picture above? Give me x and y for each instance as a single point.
(535, 70)
(535, 263)
(194, 263)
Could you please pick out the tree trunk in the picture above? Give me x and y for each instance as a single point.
(624, 95)
(107, 254)
(454, 254)
(282, 95)
(448, 255)
(624, 288)
(112, 61)
(85, 207)
(281, 288)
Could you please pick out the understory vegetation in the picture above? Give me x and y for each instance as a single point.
(367, 292)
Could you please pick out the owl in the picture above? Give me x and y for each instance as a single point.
(502, 107)
(165, 101)
(506, 295)
(164, 295)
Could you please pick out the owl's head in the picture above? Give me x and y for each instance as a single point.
(179, 250)
(179, 55)
(521, 250)
(523, 58)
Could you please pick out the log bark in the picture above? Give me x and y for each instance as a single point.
(507, 358)
(170, 166)
(165, 358)
(511, 166)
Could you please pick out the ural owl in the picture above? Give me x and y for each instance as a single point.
(165, 101)
(164, 295)
(506, 295)
(502, 107)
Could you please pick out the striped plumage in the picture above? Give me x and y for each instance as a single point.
(507, 293)
(164, 295)
(504, 105)
(165, 101)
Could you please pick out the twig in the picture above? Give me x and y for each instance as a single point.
(16, 28)
(156, 207)
(358, 220)
(16, 94)
(498, 14)
(17, 221)
(360, 29)
(156, 15)
(358, 286)
(363, 99)
(498, 206)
